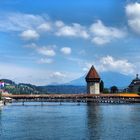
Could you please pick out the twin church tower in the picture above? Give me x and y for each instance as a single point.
(93, 81)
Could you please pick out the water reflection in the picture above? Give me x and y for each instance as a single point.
(70, 122)
(111, 122)
(94, 120)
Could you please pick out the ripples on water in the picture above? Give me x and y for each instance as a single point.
(70, 122)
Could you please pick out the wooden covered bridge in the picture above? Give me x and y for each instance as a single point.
(100, 98)
(93, 89)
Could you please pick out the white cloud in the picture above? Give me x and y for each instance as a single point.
(59, 23)
(29, 35)
(58, 74)
(133, 10)
(102, 34)
(43, 50)
(45, 61)
(34, 75)
(109, 63)
(63, 77)
(19, 21)
(46, 51)
(45, 27)
(24, 74)
(85, 69)
(133, 14)
(75, 30)
(100, 40)
(87, 66)
(82, 52)
(66, 50)
(31, 26)
(32, 46)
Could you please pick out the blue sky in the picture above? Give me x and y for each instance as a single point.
(43, 42)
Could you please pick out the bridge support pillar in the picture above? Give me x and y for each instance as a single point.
(22, 102)
(41, 103)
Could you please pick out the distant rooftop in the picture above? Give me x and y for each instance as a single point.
(135, 81)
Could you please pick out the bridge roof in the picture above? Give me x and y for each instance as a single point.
(24, 96)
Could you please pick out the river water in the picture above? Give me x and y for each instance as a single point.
(70, 121)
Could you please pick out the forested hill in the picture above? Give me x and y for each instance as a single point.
(20, 88)
(65, 89)
(23, 88)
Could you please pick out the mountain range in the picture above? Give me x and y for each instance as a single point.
(109, 79)
(75, 86)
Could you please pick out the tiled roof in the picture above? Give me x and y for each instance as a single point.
(92, 74)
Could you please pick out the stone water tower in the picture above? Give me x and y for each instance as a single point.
(93, 81)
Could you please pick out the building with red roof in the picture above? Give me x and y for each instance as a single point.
(93, 81)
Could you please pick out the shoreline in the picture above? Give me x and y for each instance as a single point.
(1, 103)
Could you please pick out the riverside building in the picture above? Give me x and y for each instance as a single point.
(134, 85)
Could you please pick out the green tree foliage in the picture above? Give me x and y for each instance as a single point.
(113, 89)
(105, 90)
(139, 90)
(101, 86)
(24, 88)
(21, 88)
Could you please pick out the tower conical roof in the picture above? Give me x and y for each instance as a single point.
(92, 74)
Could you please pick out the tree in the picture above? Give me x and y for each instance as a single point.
(101, 86)
(105, 90)
(113, 89)
(139, 90)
